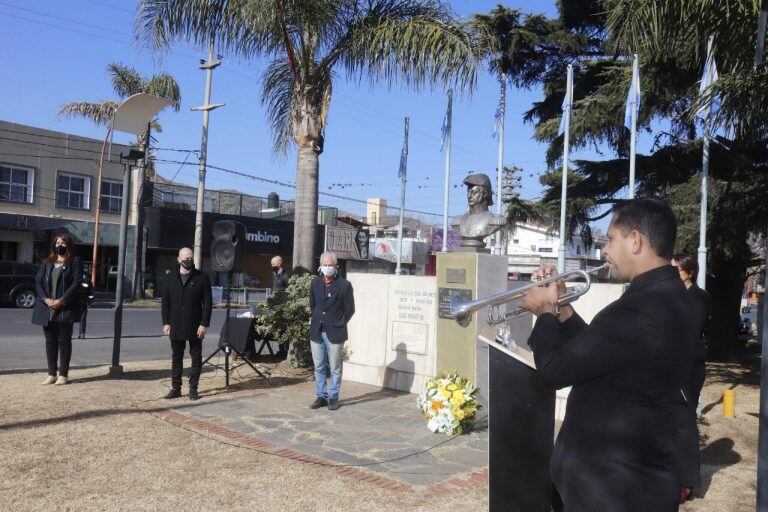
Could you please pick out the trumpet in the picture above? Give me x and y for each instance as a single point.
(462, 310)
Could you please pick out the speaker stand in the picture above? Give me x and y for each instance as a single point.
(225, 347)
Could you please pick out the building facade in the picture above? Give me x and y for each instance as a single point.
(48, 186)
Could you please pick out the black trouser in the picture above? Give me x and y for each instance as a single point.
(83, 321)
(177, 358)
(58, 346)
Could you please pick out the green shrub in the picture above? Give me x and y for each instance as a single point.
(285, 318)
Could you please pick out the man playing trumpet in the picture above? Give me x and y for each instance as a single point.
(628, 368)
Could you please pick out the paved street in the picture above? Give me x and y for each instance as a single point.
(22, 345)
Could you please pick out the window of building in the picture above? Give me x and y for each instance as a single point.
(73, 191)
(578, 249)
(533, 247)
(16, 184)
(545, 249)
(111, 196)
(516, 241)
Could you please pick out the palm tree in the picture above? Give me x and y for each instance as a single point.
(126, 82)
(311, 43)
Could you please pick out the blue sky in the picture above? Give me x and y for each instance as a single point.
(54, 60)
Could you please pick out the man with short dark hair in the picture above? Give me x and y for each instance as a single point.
(628, 368)
(186, 311)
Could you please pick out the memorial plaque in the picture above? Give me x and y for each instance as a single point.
(456, 275)
(446, 294)
(410, 336)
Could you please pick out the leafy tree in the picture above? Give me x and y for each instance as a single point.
(598, 38)
(312, 43)
(285, 318)
(126, 82)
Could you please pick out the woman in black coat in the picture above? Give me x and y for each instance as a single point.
(57, 306)
(688, 269)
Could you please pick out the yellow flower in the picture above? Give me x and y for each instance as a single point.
(459, 414)
(446, 393)
(436, 405)
(452, 387)
(458, 398)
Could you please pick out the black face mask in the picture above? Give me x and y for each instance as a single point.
(61, 250)
(188, 264)
(275, 269)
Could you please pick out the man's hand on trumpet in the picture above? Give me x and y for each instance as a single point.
(543, 299)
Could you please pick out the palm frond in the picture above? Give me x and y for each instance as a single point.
(165, 86)
(413, 42)
(126, 81)
(279, 99)
(98, 113)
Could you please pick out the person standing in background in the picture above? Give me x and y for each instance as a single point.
(86, 296)
(690, 456)
(57, 306)
(279, 276)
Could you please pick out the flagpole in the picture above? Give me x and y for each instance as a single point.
(701, 278)
(447, 170)
(563, 193)
(500, 169)
(403, 164)
(633, 133)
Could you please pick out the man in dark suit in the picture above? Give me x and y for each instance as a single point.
(279, 276)
(186, 310)
(628, 368)
(332, 303)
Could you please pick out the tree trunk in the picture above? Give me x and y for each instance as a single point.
(725, 288)
(305, 223)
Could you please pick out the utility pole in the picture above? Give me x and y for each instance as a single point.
(208, 66)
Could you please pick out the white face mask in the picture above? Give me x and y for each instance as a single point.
(328, 270)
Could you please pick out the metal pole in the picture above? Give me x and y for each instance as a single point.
(403, 164)
(633, 132)
(500, 169)
(762, 439)
(116, 368)
(209, 66)
(447, 170)
(563, 194)
(94, 259)
(701, 279)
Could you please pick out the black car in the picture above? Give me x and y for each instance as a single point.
(17, 284)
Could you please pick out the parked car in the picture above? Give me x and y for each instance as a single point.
(17, 284)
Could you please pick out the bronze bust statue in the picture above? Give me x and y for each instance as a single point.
(478, 223)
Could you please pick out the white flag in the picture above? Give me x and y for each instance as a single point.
(567, 100)
(633, 95)
(708, 78)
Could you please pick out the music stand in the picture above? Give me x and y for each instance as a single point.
(226, 347)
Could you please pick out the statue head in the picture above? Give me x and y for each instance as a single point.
(479, 190)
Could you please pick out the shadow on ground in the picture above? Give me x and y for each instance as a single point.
(716, 456)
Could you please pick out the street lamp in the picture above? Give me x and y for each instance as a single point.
(132, 116)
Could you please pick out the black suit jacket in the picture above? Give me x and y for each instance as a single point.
(280, 281)
(629, 369)
(187, 307)
(332, 313)
(67, 290)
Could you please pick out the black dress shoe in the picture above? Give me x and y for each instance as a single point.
(318, 403)
(173, 393)
(193, 394)
(333, 404)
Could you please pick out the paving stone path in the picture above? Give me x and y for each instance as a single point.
(378, 430)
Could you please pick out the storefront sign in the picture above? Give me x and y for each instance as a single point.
(347, 243)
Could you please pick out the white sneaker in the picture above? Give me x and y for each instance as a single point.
(49, 380)
(62, 380)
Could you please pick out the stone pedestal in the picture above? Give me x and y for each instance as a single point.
(469, 275)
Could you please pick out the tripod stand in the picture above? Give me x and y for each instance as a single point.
(227, 348)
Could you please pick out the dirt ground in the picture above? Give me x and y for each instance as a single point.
(96, 445)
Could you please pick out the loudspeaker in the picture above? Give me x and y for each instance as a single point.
(228, 246)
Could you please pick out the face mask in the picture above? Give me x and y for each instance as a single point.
(188, 264)
(328, 270)
(61, 250)
(275, 268)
